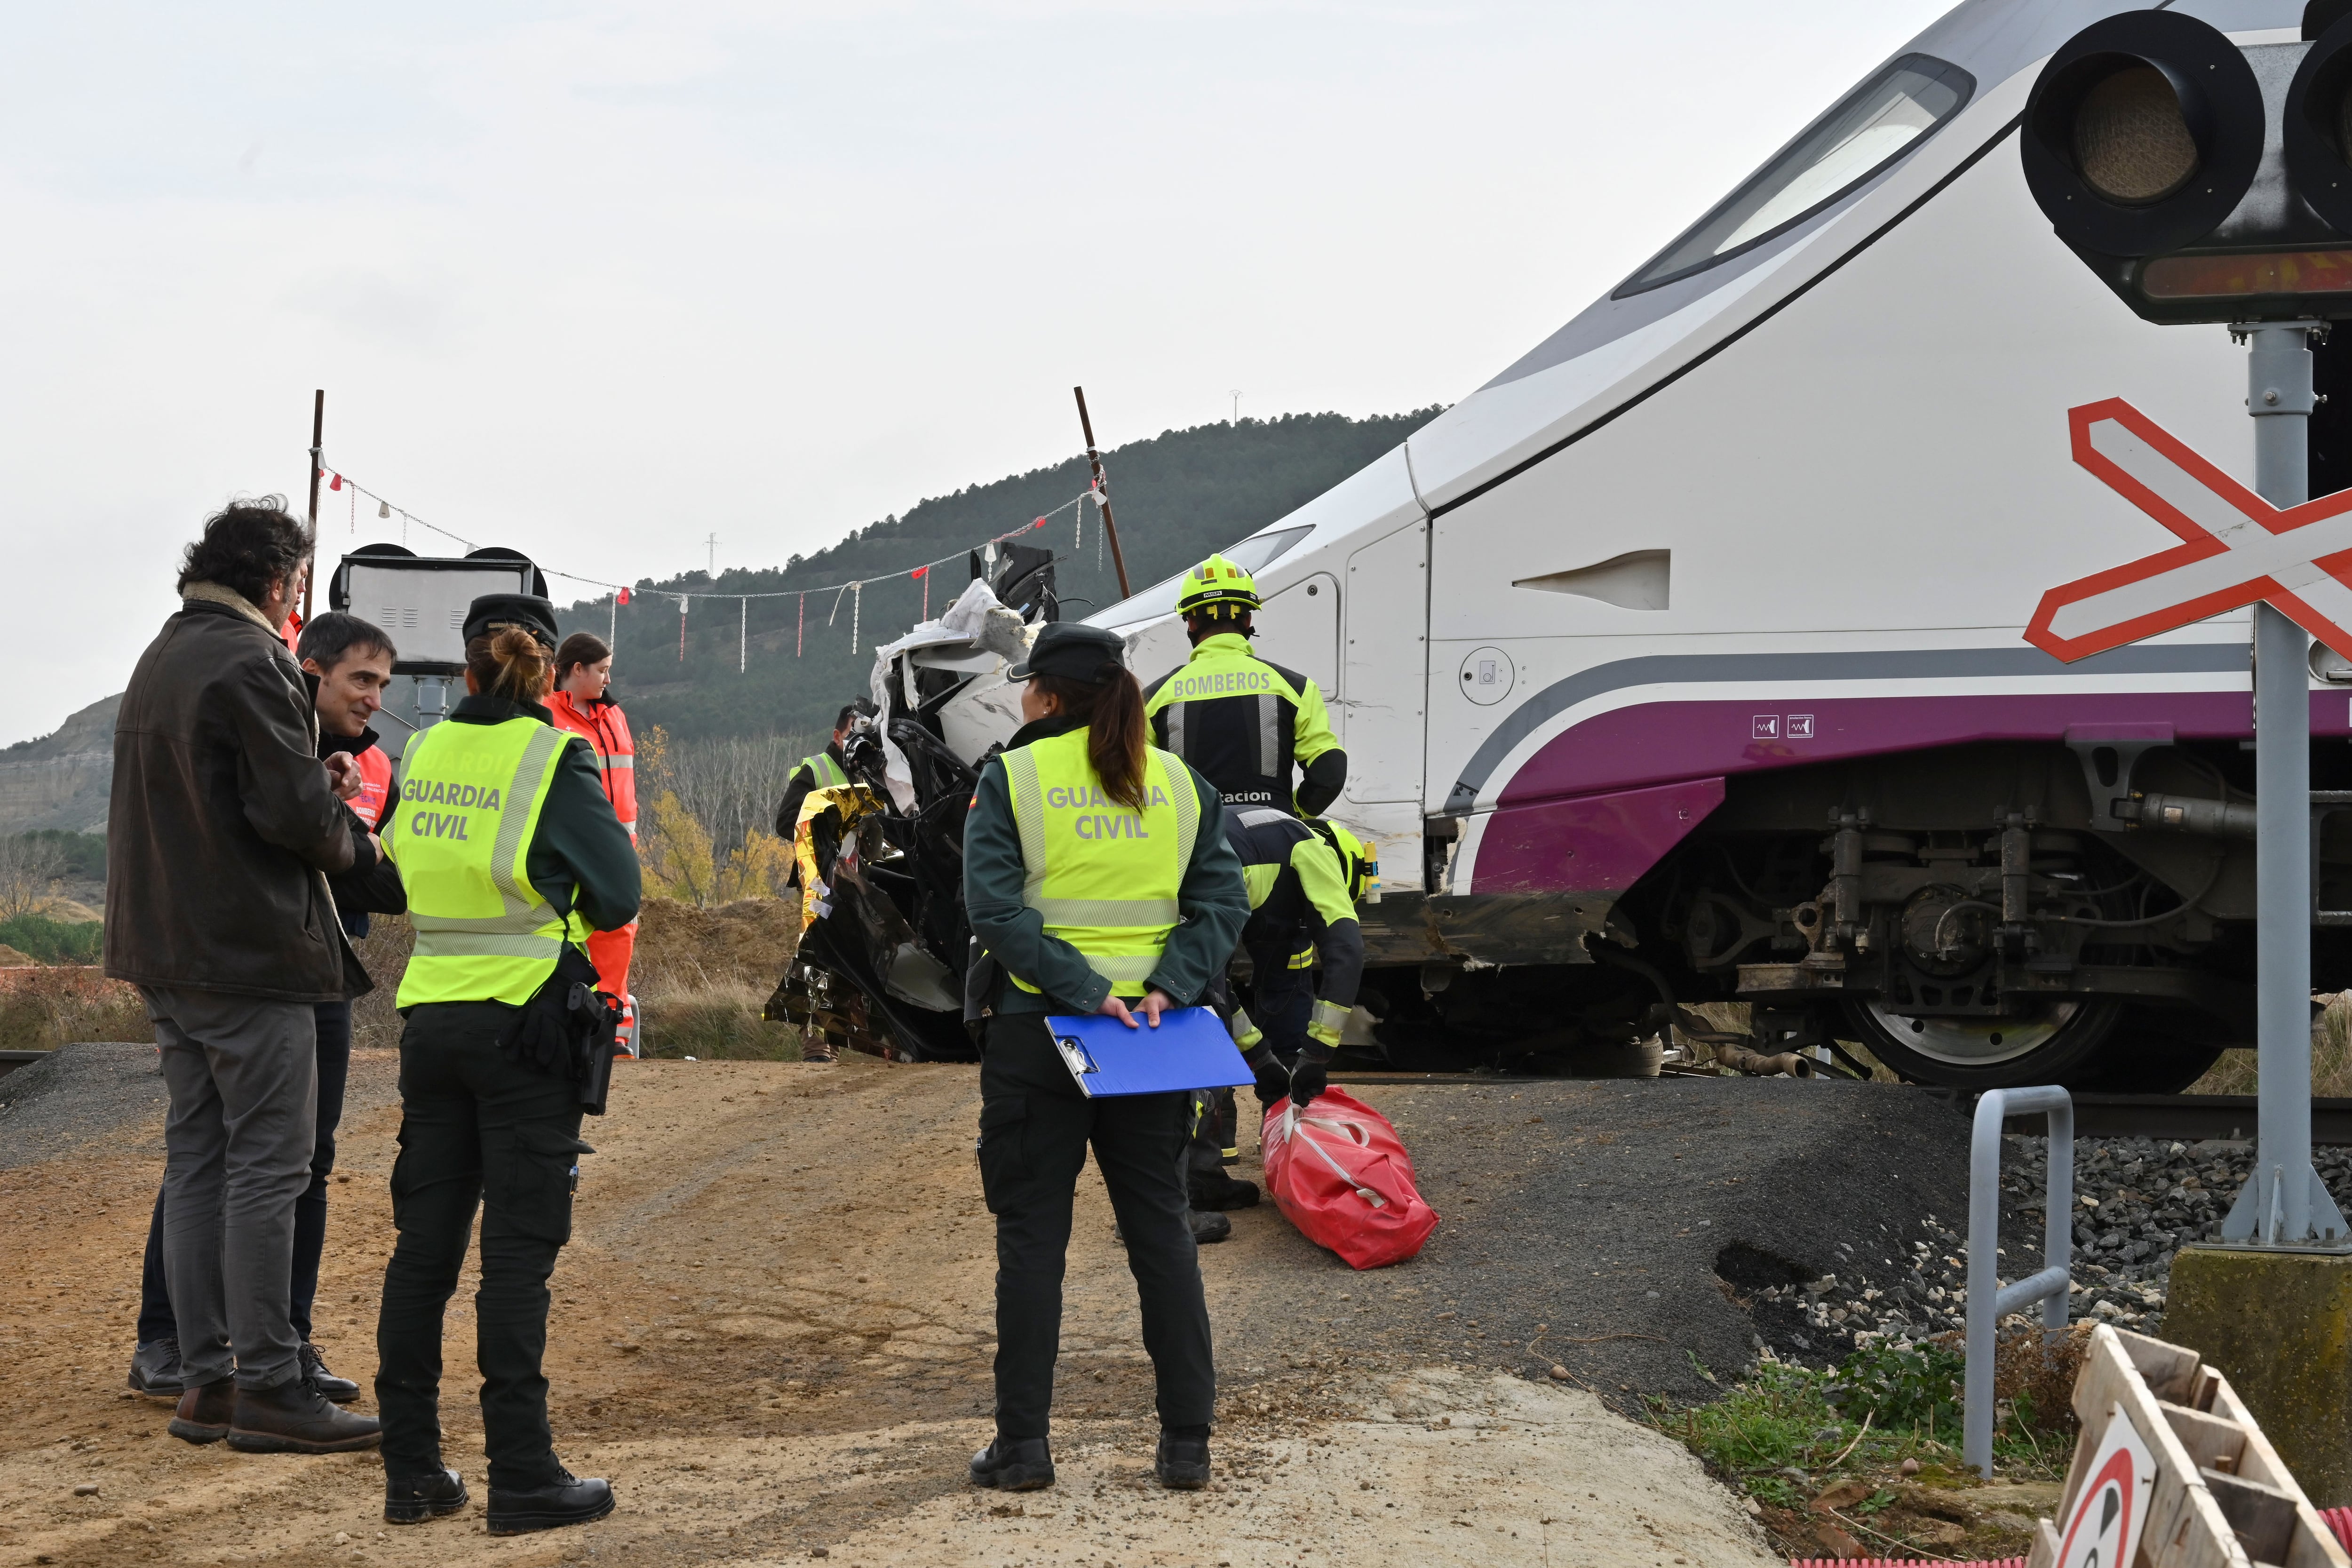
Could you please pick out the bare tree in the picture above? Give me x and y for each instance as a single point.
(730, 788)
(31, 868)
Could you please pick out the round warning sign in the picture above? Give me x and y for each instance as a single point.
(2103, 1524)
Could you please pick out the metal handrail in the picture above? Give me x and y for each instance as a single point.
(1989, 1299)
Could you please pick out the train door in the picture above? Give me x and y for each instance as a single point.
(1383, 698)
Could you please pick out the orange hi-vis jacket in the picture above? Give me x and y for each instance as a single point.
(375, 786)
(607, 729)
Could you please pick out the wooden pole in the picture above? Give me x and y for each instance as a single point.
(318, 448)
(1102, 488)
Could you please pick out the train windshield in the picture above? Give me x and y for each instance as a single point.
(1251, 555)
(1878, 123)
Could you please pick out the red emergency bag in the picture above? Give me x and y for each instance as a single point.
(1340, 1174)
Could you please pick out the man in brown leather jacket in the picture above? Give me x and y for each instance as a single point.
(222, 827)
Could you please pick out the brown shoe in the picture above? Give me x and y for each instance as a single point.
(294, 1419)
(204, 1411)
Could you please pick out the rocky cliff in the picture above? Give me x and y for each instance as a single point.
(61, 780)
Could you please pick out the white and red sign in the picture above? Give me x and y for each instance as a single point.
(2236, 548)
(2102, 1528)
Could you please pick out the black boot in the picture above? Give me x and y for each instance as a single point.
(155, 1369)
(1216, 1190)
(1014, 1465)
(204, 1411)
(569, 1501)
(1182, 1463)
(292, 1418)
(1209, 1228)
(413, 1499)
(341, 1390)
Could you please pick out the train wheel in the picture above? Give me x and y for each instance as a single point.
(2059, 1043)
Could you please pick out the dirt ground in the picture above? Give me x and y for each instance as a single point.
(771, 1331)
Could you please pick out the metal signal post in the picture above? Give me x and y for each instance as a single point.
(1118, 560)
(2283, 1204)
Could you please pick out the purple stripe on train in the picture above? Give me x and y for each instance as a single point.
(1654, 742)
(1604, 799)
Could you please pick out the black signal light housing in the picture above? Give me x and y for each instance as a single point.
(2143, 134)
(2316, 128)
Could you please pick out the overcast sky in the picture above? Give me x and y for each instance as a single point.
(599, 280)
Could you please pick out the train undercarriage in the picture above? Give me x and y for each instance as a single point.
(1975, 916)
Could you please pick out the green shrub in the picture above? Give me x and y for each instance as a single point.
(54, 942)
(710, 1020)
(1918, 1386)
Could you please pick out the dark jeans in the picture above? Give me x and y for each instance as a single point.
(155, 1319)
(477, 1129)
(1035, 1128)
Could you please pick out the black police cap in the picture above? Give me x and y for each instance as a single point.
(529, 611)
(1073, 651)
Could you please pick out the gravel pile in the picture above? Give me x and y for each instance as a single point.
(2137, 1201)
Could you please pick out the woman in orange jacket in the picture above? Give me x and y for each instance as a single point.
(584, 672)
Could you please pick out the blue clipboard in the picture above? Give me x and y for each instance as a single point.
(1190, 1049)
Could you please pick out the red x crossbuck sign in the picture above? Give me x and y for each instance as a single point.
(2236, 547)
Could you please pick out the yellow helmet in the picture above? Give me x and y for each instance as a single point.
(1215, 582)
(1362, 867)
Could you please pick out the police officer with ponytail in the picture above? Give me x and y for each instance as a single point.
(511, 856)
(1098, 879)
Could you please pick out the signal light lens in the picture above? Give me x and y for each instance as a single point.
(2248, 275)
(2131, 140)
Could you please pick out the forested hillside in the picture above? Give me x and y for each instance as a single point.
(1177, 496)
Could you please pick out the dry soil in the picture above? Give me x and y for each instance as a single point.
(773, 1330)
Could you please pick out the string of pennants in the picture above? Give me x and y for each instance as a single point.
(1091, 498)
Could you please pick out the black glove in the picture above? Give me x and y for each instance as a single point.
(1273, 1083)
(1307, 1079)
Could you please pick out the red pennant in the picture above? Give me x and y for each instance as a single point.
(623, 596)
(1039, 523)
(336, 483)
(919, 571)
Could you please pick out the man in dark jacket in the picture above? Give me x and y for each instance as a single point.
(346, 664)
(223, 828)
(826, 768)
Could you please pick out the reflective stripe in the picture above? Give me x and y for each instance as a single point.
(1303, 959)
(1269, 734)
(523, 923)
(1263, 816)
(1328, 1015)
(603, 761)
(1029, 817)
(1244, 1029)
(466, 944)
(1135, 969)
(1176, 727)
(530, 773)
(1108, 911)
(1187, 801)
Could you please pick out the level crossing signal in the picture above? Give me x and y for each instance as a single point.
(2201, 180)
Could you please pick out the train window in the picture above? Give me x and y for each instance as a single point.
(1253, 555)
(1878, 123)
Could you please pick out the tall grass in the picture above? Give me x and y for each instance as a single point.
(2331, 1055)
(41, 1009)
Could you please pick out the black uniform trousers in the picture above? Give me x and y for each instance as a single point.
(155, 1319)
(1034, 1126)
(476, 1128)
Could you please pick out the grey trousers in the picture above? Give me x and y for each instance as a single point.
(242, 1074)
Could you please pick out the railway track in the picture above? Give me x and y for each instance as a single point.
(2182, 1118)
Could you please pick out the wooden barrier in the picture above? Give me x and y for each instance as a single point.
(2172, 1471)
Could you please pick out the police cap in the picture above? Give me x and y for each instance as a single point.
(1073, 651)
(529, 611)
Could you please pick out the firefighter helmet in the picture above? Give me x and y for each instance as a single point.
(1217, 585)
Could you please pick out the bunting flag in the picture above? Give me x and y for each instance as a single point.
(925, 573)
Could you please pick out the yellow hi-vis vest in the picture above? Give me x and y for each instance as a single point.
(825, 771)
(470, 797)
(1104, 878)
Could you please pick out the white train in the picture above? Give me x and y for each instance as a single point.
(1685, 659)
